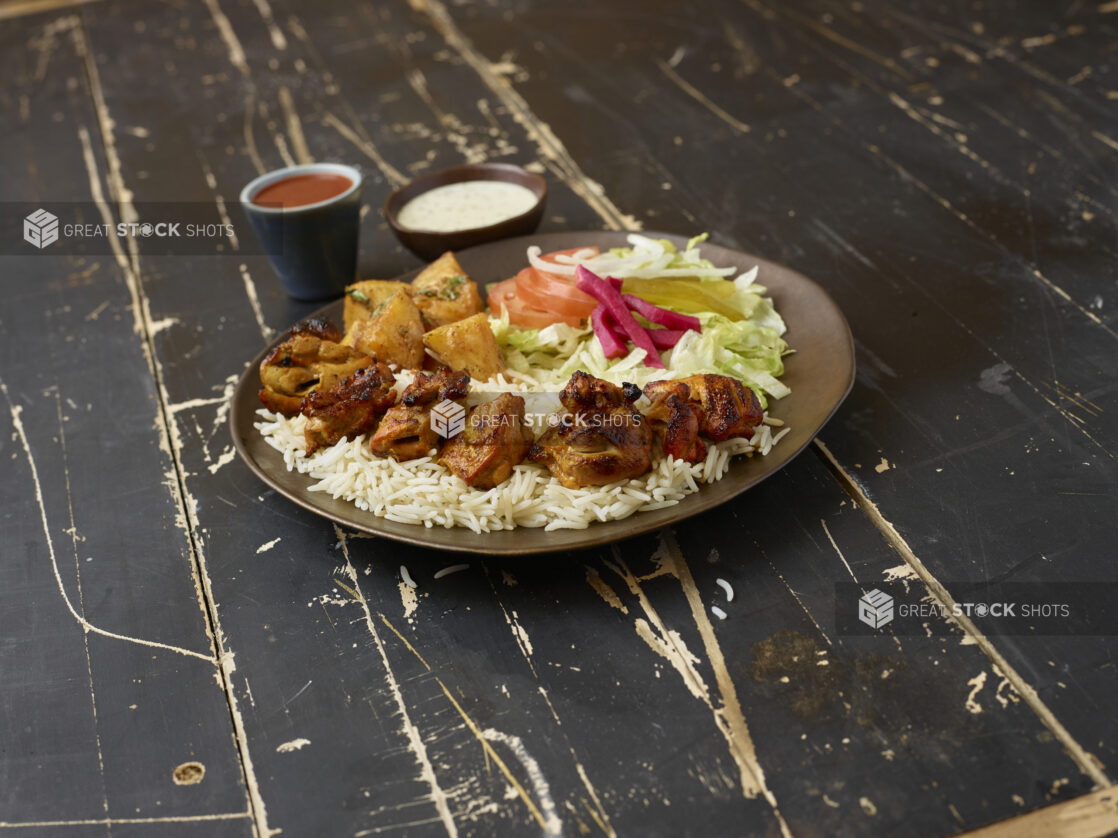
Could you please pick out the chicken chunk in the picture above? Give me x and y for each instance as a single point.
(301, 364)
(675, 422)
(444, 383)
(348, 409)
(601, 438)
(495, 440)
(727, 408)
(406, 431)
(320, 327)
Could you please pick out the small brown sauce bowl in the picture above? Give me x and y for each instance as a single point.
(430, 245)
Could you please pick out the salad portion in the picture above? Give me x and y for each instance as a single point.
(638, 313)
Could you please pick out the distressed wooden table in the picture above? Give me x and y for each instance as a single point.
(184, 653)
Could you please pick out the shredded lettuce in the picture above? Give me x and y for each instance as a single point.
(741, 338)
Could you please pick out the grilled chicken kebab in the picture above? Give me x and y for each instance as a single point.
(597, 438)
(601, 438)
(349, 409)
(494, 441)
(406, 433)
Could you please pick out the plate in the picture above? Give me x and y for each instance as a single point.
(820, 374)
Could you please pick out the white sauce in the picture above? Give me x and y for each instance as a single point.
(463, 206)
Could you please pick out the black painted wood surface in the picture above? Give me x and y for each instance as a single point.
(947, 174)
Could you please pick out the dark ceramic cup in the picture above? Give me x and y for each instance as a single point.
(312, 247)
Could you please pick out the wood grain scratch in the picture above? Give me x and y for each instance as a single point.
(554, 825)
(418, 82)
(1110, 142)
(594, 579)
(1086, 761)
(728, 716)
(845, 563)
(233, 47)
(266, 331)
(15, 411)
(366, 147)
(524, 643)
(294, 126)
(219, 202)
(474, 729)
(114, 177)
(20, 8)
(833, 36)
(549, 145)
(73, 530)
(279, 41)
(249, 133)
(963, 217)
(1091, 816)
(700, 97)
(411, 732)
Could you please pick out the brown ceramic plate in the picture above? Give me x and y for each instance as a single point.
(820, 374)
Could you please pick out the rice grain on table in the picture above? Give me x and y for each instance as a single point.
(423, 493)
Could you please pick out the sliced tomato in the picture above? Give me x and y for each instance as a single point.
(542, 291)
(537, 298)
(521, 313)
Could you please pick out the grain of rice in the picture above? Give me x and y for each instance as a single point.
(407, 577)
(718, 612)
(423, 492)
(722, 583)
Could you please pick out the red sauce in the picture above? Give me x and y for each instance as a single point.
(300, 190)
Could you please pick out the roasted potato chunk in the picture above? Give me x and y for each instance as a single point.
(467, 345)
(444, 293)
(393, 335)
(362, 298)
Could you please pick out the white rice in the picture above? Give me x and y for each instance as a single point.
(422, 492)
(724, 585)
(718, 612)
(454, 568)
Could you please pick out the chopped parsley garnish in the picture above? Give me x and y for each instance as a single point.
(358, 295)
(450, 291)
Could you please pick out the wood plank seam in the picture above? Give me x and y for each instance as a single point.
(224, 816)
(1086, 761)
(220, 655)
